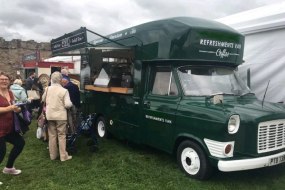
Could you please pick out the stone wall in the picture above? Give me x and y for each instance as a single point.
(11, 53)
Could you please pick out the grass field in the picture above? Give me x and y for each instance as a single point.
(118, 165)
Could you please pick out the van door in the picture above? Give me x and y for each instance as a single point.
(159, 109)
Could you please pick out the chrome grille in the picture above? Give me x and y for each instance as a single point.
(271, 135)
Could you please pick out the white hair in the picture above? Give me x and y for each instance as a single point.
(56, 77)
(18, 81)
(64, 72)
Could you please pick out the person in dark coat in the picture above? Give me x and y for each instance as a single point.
(36, 104)
(30, 81)
(73, 112)
(33, 83)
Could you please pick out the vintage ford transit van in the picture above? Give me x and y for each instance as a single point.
(172, 84)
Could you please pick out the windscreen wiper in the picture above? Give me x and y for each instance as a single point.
(221, 93)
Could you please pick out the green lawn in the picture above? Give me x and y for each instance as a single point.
(118, 165)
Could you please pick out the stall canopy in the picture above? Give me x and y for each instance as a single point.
(73, 42)
(264, 54)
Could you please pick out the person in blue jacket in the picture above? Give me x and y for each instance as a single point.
(19, 92)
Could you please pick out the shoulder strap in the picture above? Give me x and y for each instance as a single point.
(46, 97)
(45, 103)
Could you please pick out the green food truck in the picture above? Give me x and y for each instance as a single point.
(173, 84)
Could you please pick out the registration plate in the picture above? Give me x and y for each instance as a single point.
(276, 160)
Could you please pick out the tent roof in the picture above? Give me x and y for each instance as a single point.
(261, 19)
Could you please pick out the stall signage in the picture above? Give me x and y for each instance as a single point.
(70, 41)
(217, 46)
(116, 36)
(31, 57)
(158, 119)
(223, 47)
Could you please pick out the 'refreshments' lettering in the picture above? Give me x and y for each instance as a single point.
(158, 119)
(216, 43)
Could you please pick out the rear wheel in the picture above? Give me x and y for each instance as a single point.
(193, 161)
(101, 127)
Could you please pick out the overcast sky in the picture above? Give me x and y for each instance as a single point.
(43, 20)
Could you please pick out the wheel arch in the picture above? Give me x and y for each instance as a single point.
(98, 115)
(205, 168)
(183, 137)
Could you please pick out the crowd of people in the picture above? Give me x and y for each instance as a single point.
(62, 103)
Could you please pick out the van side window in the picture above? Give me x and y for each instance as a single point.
(164, 83)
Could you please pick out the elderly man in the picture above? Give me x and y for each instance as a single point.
(73, 113)
(64, 73)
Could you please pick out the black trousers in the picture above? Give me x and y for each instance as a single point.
(18, 144)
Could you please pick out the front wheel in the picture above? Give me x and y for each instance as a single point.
(193, 161)
(101, 127)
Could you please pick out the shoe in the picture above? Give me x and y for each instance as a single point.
(68, 158)
(56, 158)
(12, 171)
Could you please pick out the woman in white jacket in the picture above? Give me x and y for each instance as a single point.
(57, 101)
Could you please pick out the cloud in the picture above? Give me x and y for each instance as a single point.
(45, 20)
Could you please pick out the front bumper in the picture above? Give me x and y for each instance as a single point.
(252, 163)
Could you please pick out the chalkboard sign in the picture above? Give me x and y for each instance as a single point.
(31, 57)
(70, 41)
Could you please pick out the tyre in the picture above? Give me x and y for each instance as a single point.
(193, 161)
(101, 127)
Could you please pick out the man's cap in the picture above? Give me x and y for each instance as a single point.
(65, 77)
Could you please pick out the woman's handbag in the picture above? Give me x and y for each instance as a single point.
(40, 133)
(42, 120)
(42, 126)
(42, 123)
(33, 94)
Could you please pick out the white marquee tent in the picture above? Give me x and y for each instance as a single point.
(264, 54)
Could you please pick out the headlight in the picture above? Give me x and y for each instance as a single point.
(233, 124)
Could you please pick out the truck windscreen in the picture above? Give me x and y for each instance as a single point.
(206, 81)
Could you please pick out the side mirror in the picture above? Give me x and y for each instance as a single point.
(218, 99)
(215, 98)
